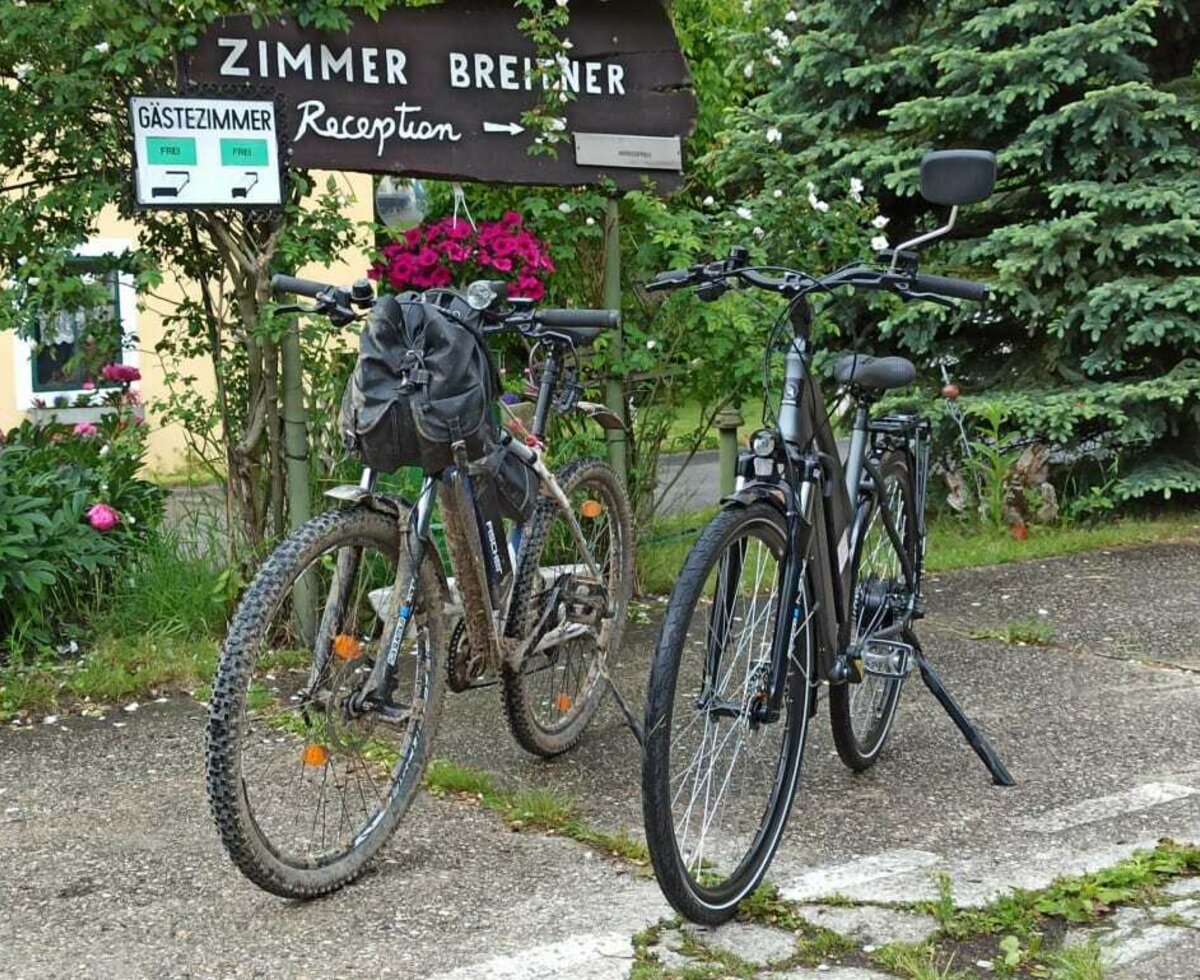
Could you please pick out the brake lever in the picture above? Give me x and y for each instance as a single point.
(942, 301)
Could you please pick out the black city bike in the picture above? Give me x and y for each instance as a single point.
(330, 682)
(810, 574)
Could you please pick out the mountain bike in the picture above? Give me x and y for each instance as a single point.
(810, 574)
(331, 680)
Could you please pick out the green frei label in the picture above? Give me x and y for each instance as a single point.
(244, 153)
(178, 151)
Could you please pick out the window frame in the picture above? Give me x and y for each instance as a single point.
(125, 298)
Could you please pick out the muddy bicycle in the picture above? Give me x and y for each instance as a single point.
(331, 680)
(810, 575)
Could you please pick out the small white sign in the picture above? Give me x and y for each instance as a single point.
(205, 153)
(634, 152)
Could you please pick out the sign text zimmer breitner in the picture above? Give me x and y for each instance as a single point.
(388, 67)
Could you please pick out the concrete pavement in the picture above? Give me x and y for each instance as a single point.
(111, 867)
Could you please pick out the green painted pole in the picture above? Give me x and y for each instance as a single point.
(296, 462)
(728, 422)
(614, 390)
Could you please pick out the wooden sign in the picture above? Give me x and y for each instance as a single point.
(440, 91)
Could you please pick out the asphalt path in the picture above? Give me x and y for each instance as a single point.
(110, 866)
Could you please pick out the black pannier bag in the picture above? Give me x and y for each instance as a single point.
(423, 382)
(516, 484)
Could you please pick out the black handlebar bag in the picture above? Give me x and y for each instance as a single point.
(424, 381)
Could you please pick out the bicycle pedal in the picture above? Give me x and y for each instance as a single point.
(887, 658)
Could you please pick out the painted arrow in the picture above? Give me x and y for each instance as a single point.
(511, 128)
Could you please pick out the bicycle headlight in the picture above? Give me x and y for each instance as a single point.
(764, 443)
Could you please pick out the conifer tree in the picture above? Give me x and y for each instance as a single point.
(1092, 240)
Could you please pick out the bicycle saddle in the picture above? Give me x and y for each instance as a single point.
(879, 373)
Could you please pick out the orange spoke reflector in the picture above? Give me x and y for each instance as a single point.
(563, 703)
(314, 755)
(346, 647)
(591, 509)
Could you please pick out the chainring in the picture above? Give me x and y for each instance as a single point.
(463, 666)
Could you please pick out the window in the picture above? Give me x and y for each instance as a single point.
(55, 367)
(46, 371)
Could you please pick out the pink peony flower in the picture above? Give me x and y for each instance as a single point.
(102, 517)
(85, 429)
(122, 373)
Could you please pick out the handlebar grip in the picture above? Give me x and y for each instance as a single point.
(954, 288)
(301, 287)
(604, 319)
(669, 280)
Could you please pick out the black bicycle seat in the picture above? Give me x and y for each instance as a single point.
(877, 373)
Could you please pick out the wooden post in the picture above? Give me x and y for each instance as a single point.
(615, 389)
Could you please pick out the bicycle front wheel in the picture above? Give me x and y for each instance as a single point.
(717, 780)
(305, 789)
(552, 697)
(862, 712)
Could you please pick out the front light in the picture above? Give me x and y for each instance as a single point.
(763, 443)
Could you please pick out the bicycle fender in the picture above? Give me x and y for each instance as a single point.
(602, 415)
(382, 503)
(775, 494)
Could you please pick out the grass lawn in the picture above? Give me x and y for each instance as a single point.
(952, 544)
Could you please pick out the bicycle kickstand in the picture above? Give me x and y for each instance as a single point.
(974, 737)
(635, 726)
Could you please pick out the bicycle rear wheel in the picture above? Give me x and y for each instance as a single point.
(304, 789)
(552, 698)
(718, 784)
(862, 712)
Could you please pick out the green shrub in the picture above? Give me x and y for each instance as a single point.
(58, 554)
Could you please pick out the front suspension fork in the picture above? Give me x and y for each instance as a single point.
(402, 607)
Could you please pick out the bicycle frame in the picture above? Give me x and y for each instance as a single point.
(822, 499)
(479, 567)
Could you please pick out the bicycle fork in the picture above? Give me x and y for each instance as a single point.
(377, 691)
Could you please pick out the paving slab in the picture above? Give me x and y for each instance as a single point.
(756, 944)
(871, 925)
(832, 973)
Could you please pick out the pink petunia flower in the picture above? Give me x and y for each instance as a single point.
(102, 517)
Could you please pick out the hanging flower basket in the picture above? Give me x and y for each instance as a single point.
(449, 252)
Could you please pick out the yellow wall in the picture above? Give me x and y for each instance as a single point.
(166, 443)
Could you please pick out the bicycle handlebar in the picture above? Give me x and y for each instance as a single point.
(955, 288)
(603, 319)
(336, 302)
(301, 287)
(908, 284)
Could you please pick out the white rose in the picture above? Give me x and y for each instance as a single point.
(856, 189)
(744, 213)
(102, 47)
(879, 243)
(774, 135)
(880, 221)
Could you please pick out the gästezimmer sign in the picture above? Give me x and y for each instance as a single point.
(440, 91)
